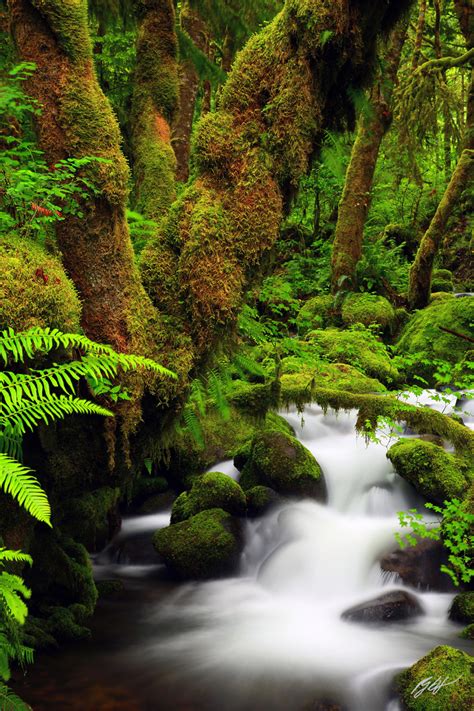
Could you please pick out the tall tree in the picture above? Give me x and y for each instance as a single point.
(422, 267)
(154, 106)
(76, 121)
(287, 86)
(355, 202)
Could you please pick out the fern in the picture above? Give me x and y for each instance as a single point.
(10, 701)
(18, 481)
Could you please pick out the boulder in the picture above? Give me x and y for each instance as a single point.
(280, 462)
(389, 607)
(368, 309)
(435, 473)
(419, 566)
(213, 490)
(462, 609)
(443, 665)
(204, 546)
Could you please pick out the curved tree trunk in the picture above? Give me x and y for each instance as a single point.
(196, 28)
(420, 29)
(287, 86)
(154, 105)
(355, 201)
(421, 270)
(77, 121)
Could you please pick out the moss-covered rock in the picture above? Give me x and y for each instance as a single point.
(317, 312)
(357, 347)
(280, 462)
(34, 288)
(462, 609)
(109, 588)
(260, 499)
(423, 338)
(368, 309)
(435, 473)
(442, 663)
(210, 491)
(207, 545)
(144, 487)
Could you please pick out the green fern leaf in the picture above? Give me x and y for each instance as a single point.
(17, 480)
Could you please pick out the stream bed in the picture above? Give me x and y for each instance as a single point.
(271, 637)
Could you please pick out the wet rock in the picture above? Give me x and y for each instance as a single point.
(323, 705)
(282, 463)
(260, 499)
(210, 491)
(462, 609)
(204, 546)
(419, 566)
(390, 607)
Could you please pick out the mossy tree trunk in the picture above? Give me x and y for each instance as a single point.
(421, 270)
(288, 85)
(154, 106)
(420, 30)
(76, 121)
(194, 25)
(355, 202)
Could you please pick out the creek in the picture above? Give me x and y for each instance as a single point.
(272, 637)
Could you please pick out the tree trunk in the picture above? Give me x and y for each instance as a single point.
(189, 85)
(154, 105)
(420, 272)
(288, 85)
(77, 121)
(420, 29)
(355, 201)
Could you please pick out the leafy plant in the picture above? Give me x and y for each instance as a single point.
(455, 530)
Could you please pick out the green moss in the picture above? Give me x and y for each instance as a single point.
(260, 499)
(211, 491)
(280, 462)
(441, 663)
(462, 608)
(87, 518)
(109, 588)
(318, 312)
(357, 347)
(423, 339)
(254, 398)
(34, 288)
(434, 472)
(369, 310)
(207, 545)
(69, 21)
(468, 632)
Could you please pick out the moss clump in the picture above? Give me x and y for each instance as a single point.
(318, 312)
(423, 338)
(204, 546)
(280, 462)
(462, 608)
(90, 519)
(434, 472)
(369, 310)
(260, 499)
(211, 491)
(109, 588)
(34, 288)
(442, 281)
(358, 347)
(441, 663)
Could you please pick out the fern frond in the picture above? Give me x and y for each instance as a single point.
(14, 556)
(12, 590)
(17, 480)
(246, 364)
(28, 414)
(9, 701)
(216, 392)
(193, 426)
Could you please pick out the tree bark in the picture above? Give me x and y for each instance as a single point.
(287, 86)
(420, 29)
(196, 28)
(421, 270)
(355, 201)
(154, 106)
(76, 121)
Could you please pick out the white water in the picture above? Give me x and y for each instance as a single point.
(265, 637)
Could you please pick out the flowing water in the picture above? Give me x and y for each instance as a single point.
(272, 637)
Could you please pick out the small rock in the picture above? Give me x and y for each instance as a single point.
(390, 607)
